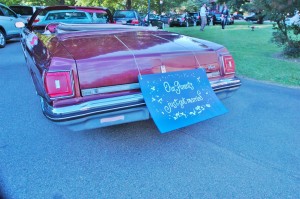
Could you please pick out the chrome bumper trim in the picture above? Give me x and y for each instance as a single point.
(111, 105)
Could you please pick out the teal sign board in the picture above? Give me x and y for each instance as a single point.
(179, 99)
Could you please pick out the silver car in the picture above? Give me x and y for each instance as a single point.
(8, 30)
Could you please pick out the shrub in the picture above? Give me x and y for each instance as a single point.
(287, 37)
(292, 49)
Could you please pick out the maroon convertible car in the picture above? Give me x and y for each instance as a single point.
(85, 68)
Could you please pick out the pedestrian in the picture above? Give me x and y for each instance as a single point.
(203, 16)
(224, 16)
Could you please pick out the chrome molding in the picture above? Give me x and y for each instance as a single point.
(109, 89)
(92, 107)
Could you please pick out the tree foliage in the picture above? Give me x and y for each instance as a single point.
(141, 5)
(276, 11)
(284, 35)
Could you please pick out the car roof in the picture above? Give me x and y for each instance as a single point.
(125, 10)
(27, 6)
(62, 11)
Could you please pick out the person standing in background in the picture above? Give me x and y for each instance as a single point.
(203, 17)
(224, 16)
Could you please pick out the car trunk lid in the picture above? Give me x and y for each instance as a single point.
(106, 61)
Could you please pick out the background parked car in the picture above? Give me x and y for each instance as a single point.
(252, 17)
(217, 19)
(8, 30)
(237, 16)
(127, 17)
(26, 11)
(230, 20)
(195, 17)
(180, 20)
(165, 18)
(154, 20)
(66, 16)
(100, 15)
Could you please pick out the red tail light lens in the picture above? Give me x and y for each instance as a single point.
(135, 21)
(59, 84)
(229, 65)
(36, 20)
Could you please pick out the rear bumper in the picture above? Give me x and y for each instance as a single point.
(117, 110)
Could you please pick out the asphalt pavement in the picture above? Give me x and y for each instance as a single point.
(250, 152)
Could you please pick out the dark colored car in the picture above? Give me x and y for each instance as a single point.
(86, 75)
(217, 19)
(183, 20)
(127, 17)
(196, 19)
(195, 16)
(154, 20)
(165, 19)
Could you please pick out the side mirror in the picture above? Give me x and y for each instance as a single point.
(20, 24)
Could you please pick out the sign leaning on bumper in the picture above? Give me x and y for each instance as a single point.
(179, 99)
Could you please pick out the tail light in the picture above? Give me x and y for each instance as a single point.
(135, 21)
(36, 20)
(229, 65)
(59, 84)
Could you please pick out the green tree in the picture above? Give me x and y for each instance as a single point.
(193, 5)
(277, 11)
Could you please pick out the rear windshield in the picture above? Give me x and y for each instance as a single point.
(22, 10)
(178, 15)
(193, 14)
(124, 14)
(66, 15)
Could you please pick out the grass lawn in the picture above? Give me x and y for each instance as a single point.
(254, 54)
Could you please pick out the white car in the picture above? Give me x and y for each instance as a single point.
(8, 30)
